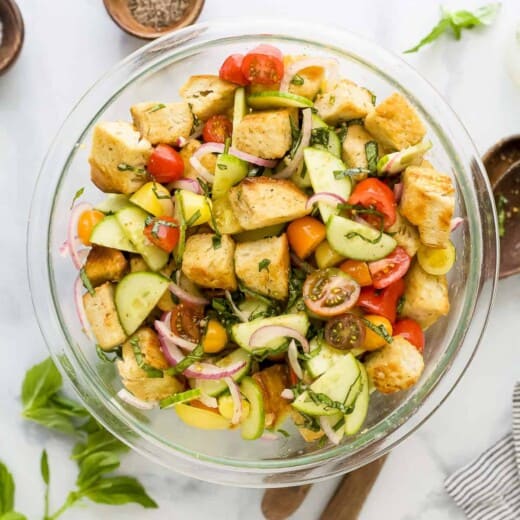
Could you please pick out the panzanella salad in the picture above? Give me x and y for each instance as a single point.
(271, 247)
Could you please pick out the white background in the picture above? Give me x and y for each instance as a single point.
(68, 45)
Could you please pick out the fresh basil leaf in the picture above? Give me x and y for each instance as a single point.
(13, 515)
(40, 383)
(44, 467)
(100, 440)
(67, 406)
(371, 152)
(119, 490)
(6, 490)
(93, 466)
(51, 418)
(439, 29)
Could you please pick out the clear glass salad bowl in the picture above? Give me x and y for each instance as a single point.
(155, 72)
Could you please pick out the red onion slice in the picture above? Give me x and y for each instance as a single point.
(325, 196)
(72, 228)
(304, 142)
(267, 333)
(237, 401)
(132, 400)
(187, 184)
(64, 249)
(455, 223)
(398, 191)
(186, 296)
(219, 148)
(181, 142)
(238, 313)
(80, 310)
(287, 393)
(333, 436)
(331, 66)
(292, 355)
(177, 340)
(208, 401)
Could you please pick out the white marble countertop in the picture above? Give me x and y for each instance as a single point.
(68, 45)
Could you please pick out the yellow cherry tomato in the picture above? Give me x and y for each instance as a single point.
(215, 338)
(373, 340)
(86, 223)
(437, 261)
(326, 256)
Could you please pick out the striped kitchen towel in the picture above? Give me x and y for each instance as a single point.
(489, 487)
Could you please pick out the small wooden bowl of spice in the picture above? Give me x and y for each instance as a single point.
(151, 19)
(11, 33)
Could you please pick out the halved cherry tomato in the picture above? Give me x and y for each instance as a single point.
(185, 321)
(305, 235)
(329, 292)
(358, 270)
(345, 332)
(410, 330)
(372, 193)
(86, 223)
(293, 378)
(389, 269)
(264, 65)
(382, 301)
(163, 232)
(217, 129)
(165, 164)
(231, 70)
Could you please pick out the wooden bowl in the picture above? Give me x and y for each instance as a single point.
(12, 33)
(122, 16)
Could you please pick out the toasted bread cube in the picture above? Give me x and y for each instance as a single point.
(397, 366)
(426, 296)
(225, 219)
(143, 379)
(395, 123)
(137, 264)
(118, 157)
(308, 81)
(343, 102)
(208, 160)
(405, 234)
(428, 201)
(105, 265)
(208, 95)
(260, 202)
(207, 265)
(263, 266)
(162, 122)
(101, 313)
(266, 134)
(353, 152)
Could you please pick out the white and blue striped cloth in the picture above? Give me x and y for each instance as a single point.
(489, 487)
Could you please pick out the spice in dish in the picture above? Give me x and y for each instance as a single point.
(158, 13)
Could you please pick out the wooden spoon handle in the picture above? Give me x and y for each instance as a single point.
(353, 490)
(281, 503)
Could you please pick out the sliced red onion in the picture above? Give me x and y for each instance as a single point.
(333, 436)
(177, 340)
(64, 249)
(237, 401)
(398, 191)
(330, 65)
(72, 238)
(242, 316)
(80, 309)
(181, 142)
(304, 142)
(187, 184)
(269, 436)
(132, 400)
(219, 148)
(287, 393)
(208, 401)
(325, 196)
(186, 296)
(267, 333)
(455, 223)
(292, 355)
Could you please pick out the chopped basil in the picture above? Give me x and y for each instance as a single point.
(205, 187)
(264, 264)
(77, 195)
(339, 424)
(196, 120)
(283, 432)
(332, 100)
(157, 194)
(224, 312)
(191, 221)
(86, 281)
(349, 172)
(156, 223)
(380, 330)
(296, 280)
(103, 355)
(400, 304)
(371, 152)
(502, 215)
(151, 371)
(373, 96)
(320, 136)
(323, 399)
(124, 167)
(216, 241)
(297, 80)
(261, 354)
(195, 355)
(296, 136)
(222, 166)
(159, 106)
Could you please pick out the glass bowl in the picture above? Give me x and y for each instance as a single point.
(156, 72)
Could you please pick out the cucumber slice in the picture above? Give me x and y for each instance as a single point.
(277, 99)
(437, 261)
(321, 166)
(301, 177)
(252, 306)
(179, 397)
(214, 387)
(353, 240)
(354, 421)
(241, 332)
(259, 234)
(340, 383)
(113, 202)
(135, 297)
(333, 143)
(239, 110)
(336, 422)
(131, 220)
(253, 426)
(229, 170)
(108, 233)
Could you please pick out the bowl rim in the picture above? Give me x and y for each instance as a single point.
(336, 40)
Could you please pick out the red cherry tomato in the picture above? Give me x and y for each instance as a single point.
(263, 65)
(185, 321)
(165, 164)
(382, 301)
(163, 232)
(372, 193)
(410, 330)
(231, 70)
(386, 271)
(217, 129)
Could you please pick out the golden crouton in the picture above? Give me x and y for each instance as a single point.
(208, 265)
(395, 123)
(343, 102)
(426, 296)
(428, 201)
(118, 157)
(260, 202)
(263, 266)
(105, 265)
(397, 366)
(405, 234)
(208, 95)
(162, 122)
(101, 313)
(266, 134)
(354, 153)
(307, 82)
(208, 160)
(142, 366)
(225, 220)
